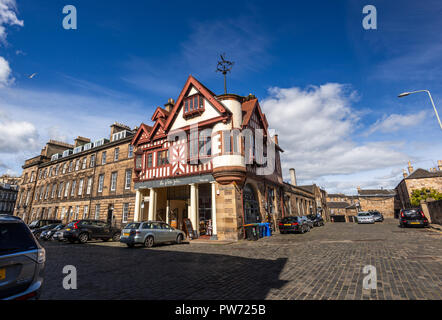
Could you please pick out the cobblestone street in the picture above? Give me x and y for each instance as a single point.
(325, 263)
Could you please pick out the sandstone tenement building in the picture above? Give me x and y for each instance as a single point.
(417, 179)
(8, 196)
(83, 180)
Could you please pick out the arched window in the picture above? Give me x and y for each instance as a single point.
(251, 205)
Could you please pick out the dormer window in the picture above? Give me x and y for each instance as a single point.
(193, 105)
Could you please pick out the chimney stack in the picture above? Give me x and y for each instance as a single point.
(410, 168)
(404, 172)
(292, 176)
(439, 164)
(169, 105)
(275, 137)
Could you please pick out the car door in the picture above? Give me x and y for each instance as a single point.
(168, 232)
(158, 232)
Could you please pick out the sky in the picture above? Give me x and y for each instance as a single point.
(328, 86)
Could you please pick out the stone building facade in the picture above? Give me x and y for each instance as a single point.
(191, 169)
(343, 207)
(83, 180)
(417, 179)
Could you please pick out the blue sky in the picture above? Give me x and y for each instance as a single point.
(328, 86)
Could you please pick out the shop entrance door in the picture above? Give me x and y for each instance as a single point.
(205, 210)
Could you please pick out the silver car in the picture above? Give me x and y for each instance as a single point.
(365, 217)
(22, 261)
(149, 233)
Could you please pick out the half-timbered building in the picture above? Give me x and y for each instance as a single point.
(200, 167)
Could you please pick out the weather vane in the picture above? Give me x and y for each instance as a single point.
(224, 66)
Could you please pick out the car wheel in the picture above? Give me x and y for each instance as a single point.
(83, 237)
(179, 239)
(148, 243)
(116, 236)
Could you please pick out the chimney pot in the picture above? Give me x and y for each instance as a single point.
(276, 139)
(410, 168)
(439, 164)
(404, 173)
(292, 176)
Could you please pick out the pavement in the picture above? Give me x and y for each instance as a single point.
(325, 263)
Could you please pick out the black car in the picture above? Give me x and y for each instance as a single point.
(38, 231)
(84, 230)
(41, 223)
(316, 219)
(48, 233)
(412, 218)
(378, 217)
(294, 224)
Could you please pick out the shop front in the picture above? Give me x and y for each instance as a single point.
(185, 203)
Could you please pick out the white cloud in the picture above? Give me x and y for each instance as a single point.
(16, 136)
(316, 127)
(395, 122)
(8, 16)
(5, 73)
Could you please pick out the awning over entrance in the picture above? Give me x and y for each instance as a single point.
(160, 183)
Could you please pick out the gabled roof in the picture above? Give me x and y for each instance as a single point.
(159, 124)
(160, 113)
(248, 107)
(144, 128)
(422, 173)
(209, 95)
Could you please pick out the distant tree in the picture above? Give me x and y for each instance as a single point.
(422, 194)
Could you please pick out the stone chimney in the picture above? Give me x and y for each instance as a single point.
(292, 176)
(410, 168)
(439, 164)
(79, 141)
(275, 138)
(117, 127)
(169, 105)
(404, 173)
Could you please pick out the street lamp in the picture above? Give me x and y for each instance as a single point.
(404, 94)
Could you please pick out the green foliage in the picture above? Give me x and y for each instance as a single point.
(422, 194)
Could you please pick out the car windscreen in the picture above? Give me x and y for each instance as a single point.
(412, 214)
(15, 237)
(132, 226)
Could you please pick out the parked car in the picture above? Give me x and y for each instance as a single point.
(149, 233)
(86, 229)
(308, 221)
(50, 232)
(316, 219)
(412, 218)
(378, 217)
(41, 223)
(365, 217)
(38, 231)
(22, 261)
(294, 224)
